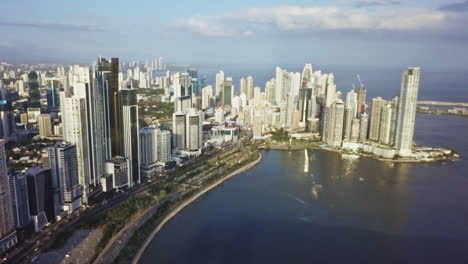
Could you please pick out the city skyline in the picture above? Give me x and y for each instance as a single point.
(119, 127)
(267, 32)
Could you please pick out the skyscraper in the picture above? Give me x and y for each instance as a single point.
(364, 127)
(377, 104)
(98, 126)
(338, 119)
(195, 82)
(388, 123)
(182, 91)
(188, 131)
(194, 130)
(75, 130)
(250, 88)
(53, 90)
(227, 92)
(407, 111)
(40, 196)
(19, 194)
(352, 102)
(7, 221)
(164, 145)
(65, 183)
(178, 130)
(219, 83)
(207, 95)
(148, 146)
(130, 133)
(333, 124)
(108, 71)
(243, 86)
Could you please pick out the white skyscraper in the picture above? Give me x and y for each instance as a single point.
(75, 131)
(219, 82)
(374, 131)
(250, 88)
(352, 102)
(407, 111)
(330, 92)
(164, 146)
(279, 86)
(148, 146)
(243, 86)
(207, 95)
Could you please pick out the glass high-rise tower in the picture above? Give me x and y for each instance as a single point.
(407, 111)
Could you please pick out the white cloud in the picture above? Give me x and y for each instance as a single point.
(299, 19)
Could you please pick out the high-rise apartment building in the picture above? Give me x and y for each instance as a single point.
(188, 131)
(249, 82)
(164, 145)
(219, 83)
(7, 221)
(388, 123)
(65, 185)
(207, 95)
(178, 130)
(75, 131)
(377, 104)
(130, 133)
(194, 129)
(364, 127)
(227, 92)
(148, 146)
(407, 111)
(243, 86)
(20, 199)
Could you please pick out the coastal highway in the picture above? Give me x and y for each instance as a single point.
(117, 243)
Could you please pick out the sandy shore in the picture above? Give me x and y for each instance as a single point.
(186, 203)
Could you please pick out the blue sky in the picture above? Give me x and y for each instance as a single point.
(430, 33)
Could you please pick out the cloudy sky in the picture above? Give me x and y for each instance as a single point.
(431, 33)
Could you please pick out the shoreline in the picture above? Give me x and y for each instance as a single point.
(317, 147)
(179, 208)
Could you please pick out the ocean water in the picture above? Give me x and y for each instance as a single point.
(341, 209)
